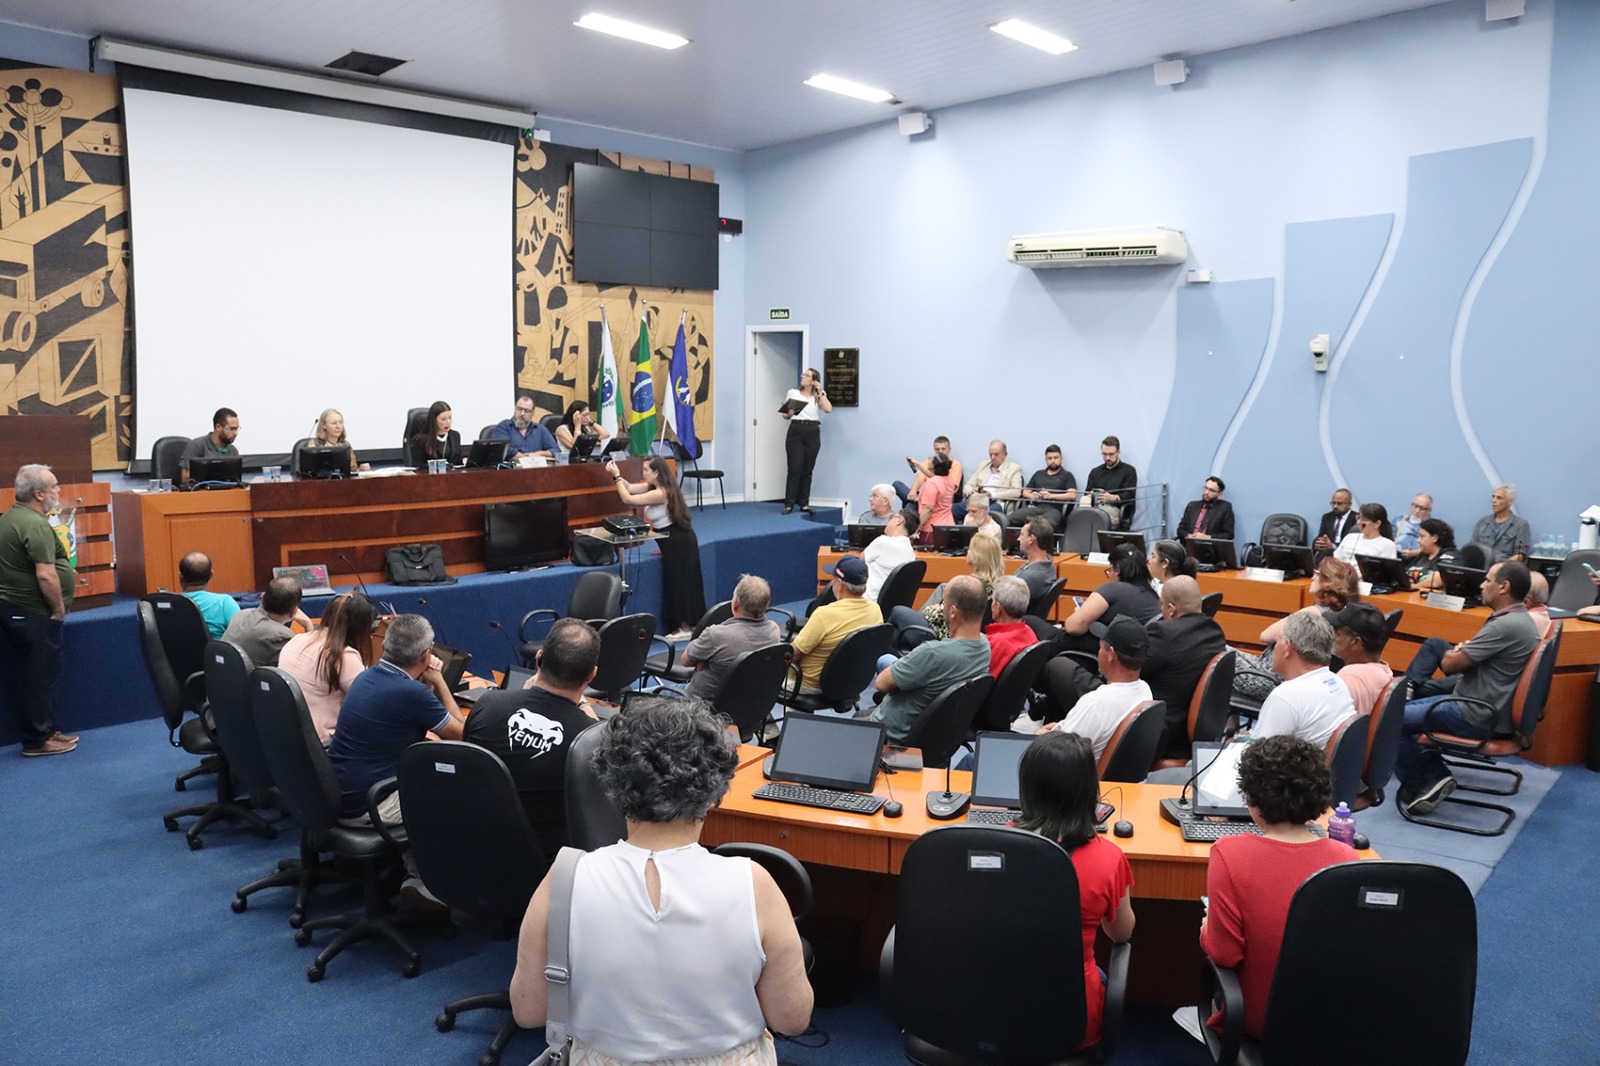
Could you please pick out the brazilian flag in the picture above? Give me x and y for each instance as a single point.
(642, 398)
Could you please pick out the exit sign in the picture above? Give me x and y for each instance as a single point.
(778, 314)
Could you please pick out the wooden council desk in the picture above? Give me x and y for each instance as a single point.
(249, 531)
(1248, 607)
(854, 860)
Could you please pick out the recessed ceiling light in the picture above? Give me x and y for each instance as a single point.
(850, 88)
(632, 31)
(1043, 40)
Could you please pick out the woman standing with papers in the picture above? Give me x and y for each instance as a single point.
(802, 409)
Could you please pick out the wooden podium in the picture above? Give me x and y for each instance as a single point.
(62, 442)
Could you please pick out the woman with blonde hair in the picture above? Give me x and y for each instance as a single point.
(330, 432)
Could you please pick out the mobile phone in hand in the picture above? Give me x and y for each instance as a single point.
(1592, 571)
(1102, 811)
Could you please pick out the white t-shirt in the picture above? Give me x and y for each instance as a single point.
(810, 412)
(1309, 707)
(1355, 544)
(1096, 716)
(882, 556)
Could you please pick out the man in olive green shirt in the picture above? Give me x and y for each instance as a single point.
(36, 583)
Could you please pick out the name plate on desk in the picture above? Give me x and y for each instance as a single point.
(1446, 603)
(1262, 573)
(1098, 559)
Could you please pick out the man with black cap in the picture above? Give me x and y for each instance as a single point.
(1359, 635)
(1096, 713)
(832, 622)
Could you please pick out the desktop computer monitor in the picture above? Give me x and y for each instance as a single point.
(486, 454)
(322, 461)
(1211, 554)
(1295, 560)
(953, 539)
(521, 533)
(1110, 538)
(1384, 575)
(216, 472)
(862, 535)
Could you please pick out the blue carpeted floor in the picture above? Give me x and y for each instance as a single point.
(118, 941)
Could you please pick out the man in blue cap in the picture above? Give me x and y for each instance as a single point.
(832, 622)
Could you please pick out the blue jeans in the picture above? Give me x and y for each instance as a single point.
(1448, 717)
(1427, 660)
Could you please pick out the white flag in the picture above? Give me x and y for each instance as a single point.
(609, 412)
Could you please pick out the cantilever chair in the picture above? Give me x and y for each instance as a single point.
(1346, 754)
(1383, 744)
(899, 588)
(752, 686)
(1041, 605)
(1021, 990)
(1209, 708)
(665, 665)
(1131, 751)
(947, 722)
(624, 645)
(485, 867)
(1358, 932)
(1010, 692)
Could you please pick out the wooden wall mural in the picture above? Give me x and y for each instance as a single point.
(558, 319)
(63, 238)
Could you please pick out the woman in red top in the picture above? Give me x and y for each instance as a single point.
(1251, 879)
(933, 502)
(1059, 788)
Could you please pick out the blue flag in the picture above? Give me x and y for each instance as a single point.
(681, 411)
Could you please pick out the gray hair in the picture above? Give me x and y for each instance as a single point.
(408, 639)
(854, 590)
(1510, 491)
(1310, 635)
(754, 595)
(665, 760)
(978, 501)
(30, 480)
(1011, 595)
(885, 490)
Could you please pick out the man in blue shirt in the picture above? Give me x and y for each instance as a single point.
(194, 574)
(524, 436)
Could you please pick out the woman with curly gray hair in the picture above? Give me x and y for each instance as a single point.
(678, 956)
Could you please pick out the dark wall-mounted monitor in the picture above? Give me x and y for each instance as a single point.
(633, 228)
(523, 533)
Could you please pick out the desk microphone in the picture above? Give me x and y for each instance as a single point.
(516, 650)
(947, 805)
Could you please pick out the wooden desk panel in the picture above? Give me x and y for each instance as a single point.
(155, 530)
(96, 578)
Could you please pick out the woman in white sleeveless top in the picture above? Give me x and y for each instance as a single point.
(678, 956)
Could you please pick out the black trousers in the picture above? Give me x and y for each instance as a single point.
(802, 445)
(37, 641)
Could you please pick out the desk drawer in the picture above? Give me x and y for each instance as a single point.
(855, 851)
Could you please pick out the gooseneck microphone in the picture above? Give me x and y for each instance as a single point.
(946, 805)
(516, 649)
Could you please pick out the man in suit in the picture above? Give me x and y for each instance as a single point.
(998, 473)
(1209, 517)
(1182, 641)
(1335, 524)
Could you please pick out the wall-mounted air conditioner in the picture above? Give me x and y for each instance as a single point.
(1132, 246)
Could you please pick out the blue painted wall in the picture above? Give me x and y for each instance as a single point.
(1419, 187)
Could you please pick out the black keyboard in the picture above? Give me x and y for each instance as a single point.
(991, 816)
(1208, 832)
(827, 798)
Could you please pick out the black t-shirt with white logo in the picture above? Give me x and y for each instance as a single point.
(530, 730)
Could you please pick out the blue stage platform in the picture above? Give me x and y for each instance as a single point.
(106, 682)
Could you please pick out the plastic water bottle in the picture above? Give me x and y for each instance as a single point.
(1342, 825)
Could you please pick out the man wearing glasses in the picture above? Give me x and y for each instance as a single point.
(524, 436)
(1335, 524)
(1408, 529)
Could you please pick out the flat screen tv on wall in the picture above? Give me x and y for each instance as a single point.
(633, 228)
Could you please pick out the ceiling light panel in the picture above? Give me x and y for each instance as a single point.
(1043, 40)
(631, 31)
(850, 88)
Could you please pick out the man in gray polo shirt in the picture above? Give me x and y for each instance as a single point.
(713, 652)
(214, 445)
(1485, 668)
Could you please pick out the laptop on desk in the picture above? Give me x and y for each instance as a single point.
(313, 579)
(996, 792)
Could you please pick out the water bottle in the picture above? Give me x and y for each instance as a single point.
(1342, 825)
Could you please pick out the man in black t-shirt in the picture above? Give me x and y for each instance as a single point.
(530, 728)
(1048, 493)
(1110, 485)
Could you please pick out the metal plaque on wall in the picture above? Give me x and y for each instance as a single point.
(841, 376)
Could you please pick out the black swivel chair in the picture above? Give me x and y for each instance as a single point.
(899, 588)
(308, 789)
(596, 598)
(1356, 935)
(1020, 966)
(485, 867)
(486, 431)
(1573, 589)
(550, 422)
(752, 686)
(689, 470)
(947, 722)
(1082, 524)
(416, 421)
(1010, 692)
(624, 645)
(1132, 749)
(1473, 556)
(848, 671)
(1041, 605)
(665, 665)
(1281, 528)
(164, 457)
(1210, 604)
(592, 821)
(793, 881)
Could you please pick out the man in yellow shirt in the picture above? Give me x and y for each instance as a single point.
(832, 622)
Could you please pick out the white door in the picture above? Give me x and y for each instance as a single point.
(776, 357)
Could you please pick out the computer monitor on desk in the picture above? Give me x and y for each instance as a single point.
(1109, 538)
(486, 454)
(952, 540)
(861, 535)
(1384, 575)
(216, 472)
(841, 753)
(1211, 554)
(322, 461)
(1463, 581)
(1295, 560)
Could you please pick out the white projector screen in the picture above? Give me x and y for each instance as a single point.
(289, 262)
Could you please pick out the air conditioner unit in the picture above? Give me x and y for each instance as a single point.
(1135, 246)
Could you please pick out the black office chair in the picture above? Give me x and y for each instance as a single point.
(1346, 754)
(946, 724)
(1573, 589)
(1020, 966)
(486, 431)
(1281, 528)
(1131, 751)
(1041, 605)
(665, 665)
(592, 821)
(416, 421)
(624, 644)
(596, 598)
(1391, 622)
(1082, 524)
(308, 789)
(550, 422)
(1210, 707)
(1210, 604)
(793, 881)
(751, 687)
(849, 670)
(1361, 929)
(1383, 744)
(485, 866)
(900, 587)
(689, 470)
(1472, 555)
(1010, 692)
(1478, 753)
(165, 455)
